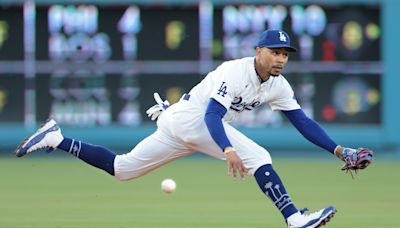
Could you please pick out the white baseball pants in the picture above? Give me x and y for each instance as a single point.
(181, 130)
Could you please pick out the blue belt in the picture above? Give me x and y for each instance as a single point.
(186, 97)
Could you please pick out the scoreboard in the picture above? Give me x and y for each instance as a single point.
(99, 64)
(103, 33)
(321, 32)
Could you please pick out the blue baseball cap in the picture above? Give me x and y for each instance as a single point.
(275, 39)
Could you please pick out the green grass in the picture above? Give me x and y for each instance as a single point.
(64, 192)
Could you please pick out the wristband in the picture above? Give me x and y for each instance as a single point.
(336, 148)
(229, 150)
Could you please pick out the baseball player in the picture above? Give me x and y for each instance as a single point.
(200, 122)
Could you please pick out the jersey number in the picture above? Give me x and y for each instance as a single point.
(222, 90)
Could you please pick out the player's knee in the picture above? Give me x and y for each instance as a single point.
(125, 176)
(252, 170)
(121, 178)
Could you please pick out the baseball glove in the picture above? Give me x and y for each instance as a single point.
(356, 159)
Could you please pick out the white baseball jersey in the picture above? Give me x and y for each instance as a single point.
(236, 86)
(181, 129)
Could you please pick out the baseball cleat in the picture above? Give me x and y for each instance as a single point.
(316, 219)
(47, 136)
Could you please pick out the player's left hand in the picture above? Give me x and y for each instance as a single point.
(357, 159)
(155, 111)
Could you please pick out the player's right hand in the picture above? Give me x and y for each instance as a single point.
(155, 111)
(235, 164)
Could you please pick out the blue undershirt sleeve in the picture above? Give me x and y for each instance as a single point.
(310, 129)
(213, 118)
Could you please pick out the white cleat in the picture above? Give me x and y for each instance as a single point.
(316, 219)
(47, 136)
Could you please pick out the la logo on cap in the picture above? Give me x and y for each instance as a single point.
(282, 37)
(275, 39)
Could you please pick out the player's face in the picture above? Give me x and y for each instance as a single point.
(272, 60)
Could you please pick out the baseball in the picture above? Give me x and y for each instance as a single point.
(168, 186)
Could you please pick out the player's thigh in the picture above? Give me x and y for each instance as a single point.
(253, 155)
(152, 152)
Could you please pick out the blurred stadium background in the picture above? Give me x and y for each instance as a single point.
(94, 65)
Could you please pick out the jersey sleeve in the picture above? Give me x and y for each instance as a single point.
(225, 84)
(284, 98)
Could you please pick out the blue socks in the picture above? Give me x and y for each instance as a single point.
(272, 186)
(96, 156)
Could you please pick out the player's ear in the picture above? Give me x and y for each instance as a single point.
(258, 50)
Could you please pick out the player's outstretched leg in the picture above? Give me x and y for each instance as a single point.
(49, 136)
(272, 186)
